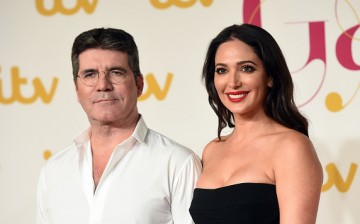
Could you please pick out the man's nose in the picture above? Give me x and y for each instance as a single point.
(104, 82)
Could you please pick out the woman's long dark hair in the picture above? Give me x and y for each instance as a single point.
(279, 103)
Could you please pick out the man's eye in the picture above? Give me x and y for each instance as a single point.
(117, 72)
(88, 75)
(220, 70)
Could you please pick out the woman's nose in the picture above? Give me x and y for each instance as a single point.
(234, 80)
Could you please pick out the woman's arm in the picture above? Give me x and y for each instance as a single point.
(299, 177)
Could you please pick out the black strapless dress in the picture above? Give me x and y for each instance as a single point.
(245, 203)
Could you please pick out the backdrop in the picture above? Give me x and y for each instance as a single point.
(40, 114)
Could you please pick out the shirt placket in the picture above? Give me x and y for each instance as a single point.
(98, 198)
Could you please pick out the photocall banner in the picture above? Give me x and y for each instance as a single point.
(40, 114)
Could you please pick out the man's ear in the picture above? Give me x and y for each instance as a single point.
(76, 90)
(139, 84)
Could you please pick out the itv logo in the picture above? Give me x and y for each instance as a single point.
(58, 7)
(40, 92)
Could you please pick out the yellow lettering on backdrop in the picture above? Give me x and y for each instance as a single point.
(47, 154)
(179, 3)
(39, 90)
(335, 103)
(59, 7)
(335, 178)
(153, 87)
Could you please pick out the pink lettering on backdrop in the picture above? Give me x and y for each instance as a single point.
(344, 42)
(317, 40)
(252, 12)
(252, 15)
(317, 51)
(343, 49)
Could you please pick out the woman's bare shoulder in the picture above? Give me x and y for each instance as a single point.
(299, 176)
(292, 148)
(213, 147)
(291, 140)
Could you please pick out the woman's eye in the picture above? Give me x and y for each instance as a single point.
(247, 68)
(220, 70)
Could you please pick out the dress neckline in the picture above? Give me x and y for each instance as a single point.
(235, 185)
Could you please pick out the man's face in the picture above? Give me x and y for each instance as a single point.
(107, 102)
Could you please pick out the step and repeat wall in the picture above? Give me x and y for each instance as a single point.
(40, 114)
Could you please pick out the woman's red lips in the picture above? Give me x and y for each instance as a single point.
(237, 96)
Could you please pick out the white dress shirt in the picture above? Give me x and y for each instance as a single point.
(149, 179)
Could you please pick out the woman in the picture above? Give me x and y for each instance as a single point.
(266, 170)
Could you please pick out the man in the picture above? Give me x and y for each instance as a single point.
(117, 171)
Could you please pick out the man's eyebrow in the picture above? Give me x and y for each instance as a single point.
(118, 68)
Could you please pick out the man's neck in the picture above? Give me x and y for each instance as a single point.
(105, 136)
(104, 139)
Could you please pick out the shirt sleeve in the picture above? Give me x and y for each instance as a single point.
(41, 208)
(183, 190)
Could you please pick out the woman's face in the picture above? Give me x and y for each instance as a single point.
(240, 79)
